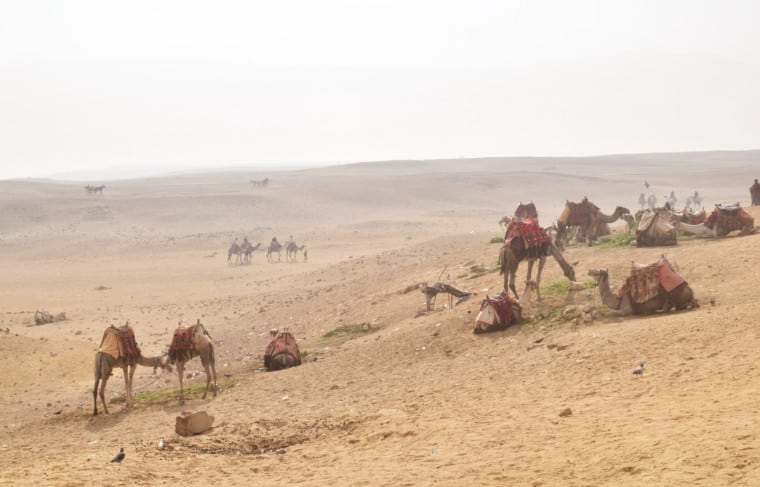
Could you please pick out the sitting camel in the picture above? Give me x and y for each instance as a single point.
(109, 357)
(699, 231)
(587, 217)
(679, 297)
(291, 251)
(190, 342)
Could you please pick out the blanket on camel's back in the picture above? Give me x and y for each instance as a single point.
(727, 216)
(120, 343)
(502, 306)
(645, 280)
(530, 231)
(283, 342)
(577, 213)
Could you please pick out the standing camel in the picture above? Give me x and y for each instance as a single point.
(105, 363)
(291, 251)
(516, 251)
(188, 343)
(274, 246)
(587, 217)
(248, 251)
(235, 250)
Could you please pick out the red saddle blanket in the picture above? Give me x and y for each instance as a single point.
(644, 282)
(182, 339)
(283, 342)
(503, 306)
(530, 231)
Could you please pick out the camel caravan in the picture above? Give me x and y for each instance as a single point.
(242, 252)
(90, 189)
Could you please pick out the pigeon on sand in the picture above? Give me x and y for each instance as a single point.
(639, 370)
(119, 456)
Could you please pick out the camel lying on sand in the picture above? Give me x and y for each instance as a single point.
(651, 288)
(588, 217)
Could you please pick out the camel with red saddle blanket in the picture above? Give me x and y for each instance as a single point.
(526, 240)
(649, 289)
(118, 349)
(497, 313)
(189, 342)
(727, 218)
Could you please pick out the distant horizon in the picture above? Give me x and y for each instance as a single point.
(124, 173)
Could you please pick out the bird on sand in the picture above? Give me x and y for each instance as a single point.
(161, 444)
(119, 456)
(639, 370)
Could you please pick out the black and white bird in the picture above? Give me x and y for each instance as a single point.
(119, 456)
(639, 370)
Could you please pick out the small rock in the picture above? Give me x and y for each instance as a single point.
(565, 413)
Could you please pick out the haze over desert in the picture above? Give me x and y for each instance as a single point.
(402, 396)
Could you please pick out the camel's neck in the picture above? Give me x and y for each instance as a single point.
(567, 269)
(149, 361)
(609, 300)
(611, 218)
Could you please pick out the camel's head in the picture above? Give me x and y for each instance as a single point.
(164, 363)
(598, 274)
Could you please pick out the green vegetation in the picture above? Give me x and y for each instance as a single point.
(622, 240)
(305, 353)
(563, 287)
(169, 394)
(496, 239)
(348, 330)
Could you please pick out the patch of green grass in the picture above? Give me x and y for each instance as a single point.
(348, 330)
(305, 353)
(496, 239)
(622, 240)
(562, 287)
(172, 393)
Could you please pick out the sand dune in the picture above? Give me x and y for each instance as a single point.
(411, 398)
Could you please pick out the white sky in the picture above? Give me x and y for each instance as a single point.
(172, 84)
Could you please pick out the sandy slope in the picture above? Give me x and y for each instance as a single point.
(419, 400)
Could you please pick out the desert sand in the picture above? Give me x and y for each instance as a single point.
(410, 397)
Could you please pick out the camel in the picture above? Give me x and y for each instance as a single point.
(679, 297)
(95, 189)
(516, 250)
(274, 246)
(522, 212)
(630, 222)
(236, 250)
(727, 218)
(263, 183)
(497, 313)
(188, 343)
(248, 252)
(282, 352)
(699, 231)
(105, 363)
(291, 251)
(588, 217)
(655, 228)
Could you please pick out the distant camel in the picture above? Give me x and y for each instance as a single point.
(236, 250)
(248, 251)
(274, 246)
(95, 189)
(263, 183)
(105, 363)
(291, 251)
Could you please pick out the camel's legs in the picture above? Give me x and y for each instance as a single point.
(541, 262)
(213, 367)
(103, 381)
(509, 280)
(126, 386)
(207, 359)
(181, 372)
(130, 395)
(528, 275)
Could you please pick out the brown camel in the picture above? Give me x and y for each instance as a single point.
(236, 250)
(105, 363)
(680, 297)
(274, 246)
(188, 343)
(727, 218)
(516, 251)
(248, 252)
(291, 251)
(588, 217)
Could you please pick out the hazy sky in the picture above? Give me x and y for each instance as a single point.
(183, 84)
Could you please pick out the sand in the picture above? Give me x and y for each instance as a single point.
(409, 398)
